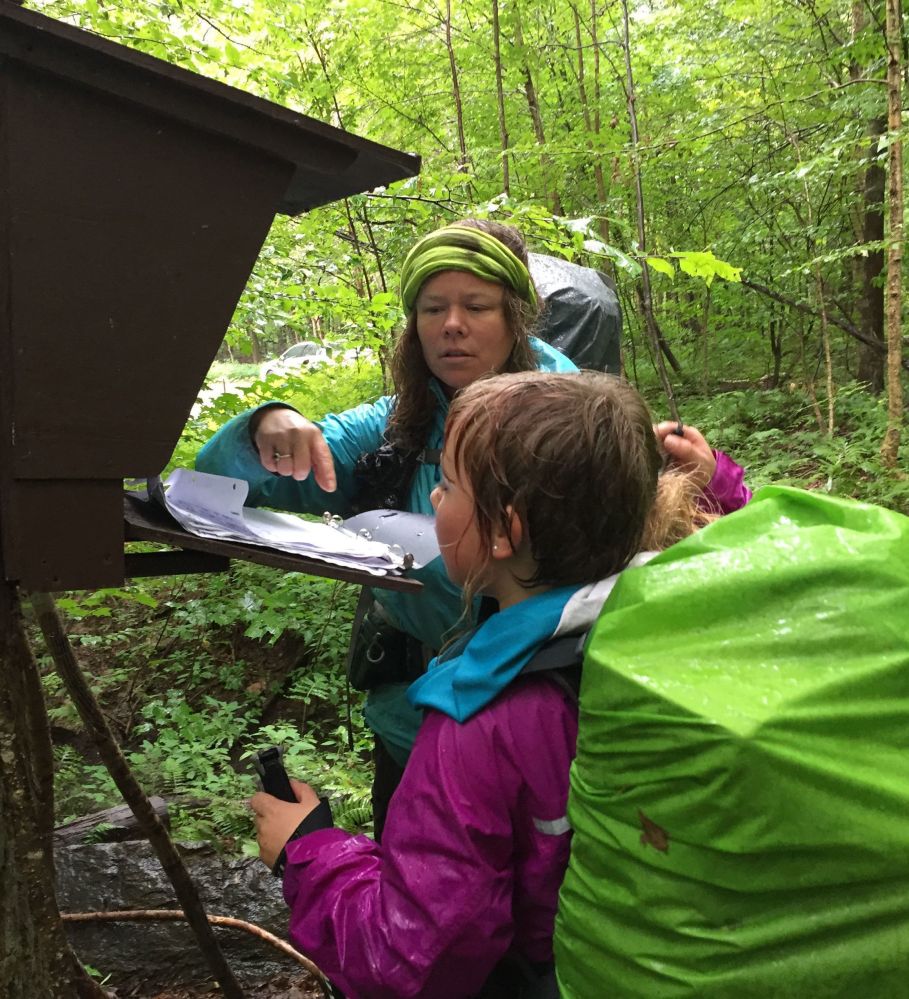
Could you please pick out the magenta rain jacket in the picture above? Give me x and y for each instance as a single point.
(473, 853)
(726, 491)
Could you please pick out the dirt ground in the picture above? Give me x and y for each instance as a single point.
(281, 987)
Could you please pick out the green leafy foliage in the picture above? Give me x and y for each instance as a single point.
(774, 434)
(98, 603)
(80, 788)
(330, 389)
(704, 264)
(189, 708)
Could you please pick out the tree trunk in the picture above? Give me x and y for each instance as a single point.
(809, 375)
(255, 345)
(533, 104)
(599, 176)
(825, 345)
(35, 956)
(456, 90)
(775, 332)
(364, 289)
(698, 322)
(891, 443)
(97, 727)
(869, 228)
(871, 297)
(363, 286)
(373, 246)
(657, 342)
(592, 122)
(500, 97)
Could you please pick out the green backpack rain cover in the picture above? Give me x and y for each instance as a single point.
(740, 796)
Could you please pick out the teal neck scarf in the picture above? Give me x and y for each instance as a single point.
(460, 248)
(473, 671)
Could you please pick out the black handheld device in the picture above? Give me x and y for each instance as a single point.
(270, 767)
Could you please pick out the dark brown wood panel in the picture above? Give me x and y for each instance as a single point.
(134, 199)
(63, 535)
(132, 237)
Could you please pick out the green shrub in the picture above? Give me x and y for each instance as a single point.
(314, 393)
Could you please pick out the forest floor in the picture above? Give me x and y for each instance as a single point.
(281, 987)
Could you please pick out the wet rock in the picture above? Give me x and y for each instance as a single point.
(118, 876)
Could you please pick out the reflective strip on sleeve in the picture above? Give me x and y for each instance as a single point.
(553, 827)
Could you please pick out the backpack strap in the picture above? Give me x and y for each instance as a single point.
(430, 456)
(514, 977)
(561, 659)
(383, 477)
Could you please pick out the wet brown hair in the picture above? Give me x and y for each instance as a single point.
(576, 458)
(411, 418)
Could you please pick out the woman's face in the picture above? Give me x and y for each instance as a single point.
(461, 326)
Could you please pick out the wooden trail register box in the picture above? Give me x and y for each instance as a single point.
(134, 199)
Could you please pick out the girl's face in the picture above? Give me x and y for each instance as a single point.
(463, 551)
(461, 326)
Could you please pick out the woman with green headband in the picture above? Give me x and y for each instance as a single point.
(471, 305)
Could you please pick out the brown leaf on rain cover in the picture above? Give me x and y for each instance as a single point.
(653, 834)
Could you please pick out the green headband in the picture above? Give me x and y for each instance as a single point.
(459, 248)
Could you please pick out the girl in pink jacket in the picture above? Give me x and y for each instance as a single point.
(551, 487)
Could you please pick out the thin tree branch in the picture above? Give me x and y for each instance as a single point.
(842, 324)
(225, 35)
(447, 205)
(177, 915)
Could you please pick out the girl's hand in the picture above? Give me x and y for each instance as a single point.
(691, 453)
(277, 820)
(289, 444)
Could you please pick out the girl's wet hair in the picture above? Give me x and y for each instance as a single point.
(575, 456)
(415, 404)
